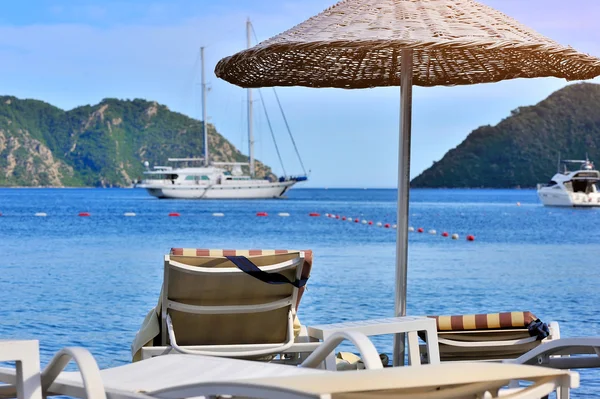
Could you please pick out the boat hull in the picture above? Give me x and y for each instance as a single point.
(220, 191)
(555, 197)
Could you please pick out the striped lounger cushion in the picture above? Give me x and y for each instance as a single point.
(490, 321)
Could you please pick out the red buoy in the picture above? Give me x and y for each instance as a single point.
(470, 238)
(314, 214)
(343, 217)
(84, 214)
(337, 216)
(420, 230)
(174, 214)
(262, 214)
(387, 225)
(370, 223)
(444, 234)
(356, 221)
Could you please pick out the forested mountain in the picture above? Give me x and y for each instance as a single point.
(522, 149)
(103, 145)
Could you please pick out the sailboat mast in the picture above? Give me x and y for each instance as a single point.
(204, 124)
(250, 132)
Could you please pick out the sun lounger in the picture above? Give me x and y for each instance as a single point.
(179, 376)
(234, 303)
(494, 336)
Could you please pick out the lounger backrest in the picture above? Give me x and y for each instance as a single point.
(212, 302)
(485, 336)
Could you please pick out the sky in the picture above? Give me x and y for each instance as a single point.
(76, 52)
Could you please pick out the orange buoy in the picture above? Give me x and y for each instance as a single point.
(470, 238)
(174, 214)
(262, 214)
(444, 234)
(420, 230)
(84, 214)
(314, 214)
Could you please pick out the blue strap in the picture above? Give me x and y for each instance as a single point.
(246, 265)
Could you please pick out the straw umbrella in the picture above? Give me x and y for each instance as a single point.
(369, 43)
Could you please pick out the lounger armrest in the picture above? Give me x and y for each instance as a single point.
(557, 354)
(365, 347)
(90, 373)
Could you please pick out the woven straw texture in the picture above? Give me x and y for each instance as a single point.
(358, 43)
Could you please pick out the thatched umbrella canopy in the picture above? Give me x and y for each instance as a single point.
(369, 43)
(357, 44)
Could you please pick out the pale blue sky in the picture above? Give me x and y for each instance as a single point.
(77, 52)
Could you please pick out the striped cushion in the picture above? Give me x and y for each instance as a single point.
(490, 321)
(218, 253)
(215, 253)
(232, 252)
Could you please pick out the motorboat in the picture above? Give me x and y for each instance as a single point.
(572, 188)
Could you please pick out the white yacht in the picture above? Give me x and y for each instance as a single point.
(213, 180)
(576, 188)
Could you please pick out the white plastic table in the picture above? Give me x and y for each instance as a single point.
(27, 356)
(410, 325)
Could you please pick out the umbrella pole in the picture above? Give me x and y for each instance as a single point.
(406, 72)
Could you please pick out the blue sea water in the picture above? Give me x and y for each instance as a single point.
(89, 281)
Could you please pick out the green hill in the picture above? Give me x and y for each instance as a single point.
(522, 149)
(103, 145)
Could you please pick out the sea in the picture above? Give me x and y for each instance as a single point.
(69, 280)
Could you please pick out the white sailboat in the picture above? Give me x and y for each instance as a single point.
(213, 180)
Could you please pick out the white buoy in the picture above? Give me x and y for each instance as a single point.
(283, 214)
(411, 228)
(218, 214)
(41, 214)
(326, 215)
(350, 220)
(455, 236)
(364, 222)
(379, 224)
(129, 214)
(432, 232)
(394, 226)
